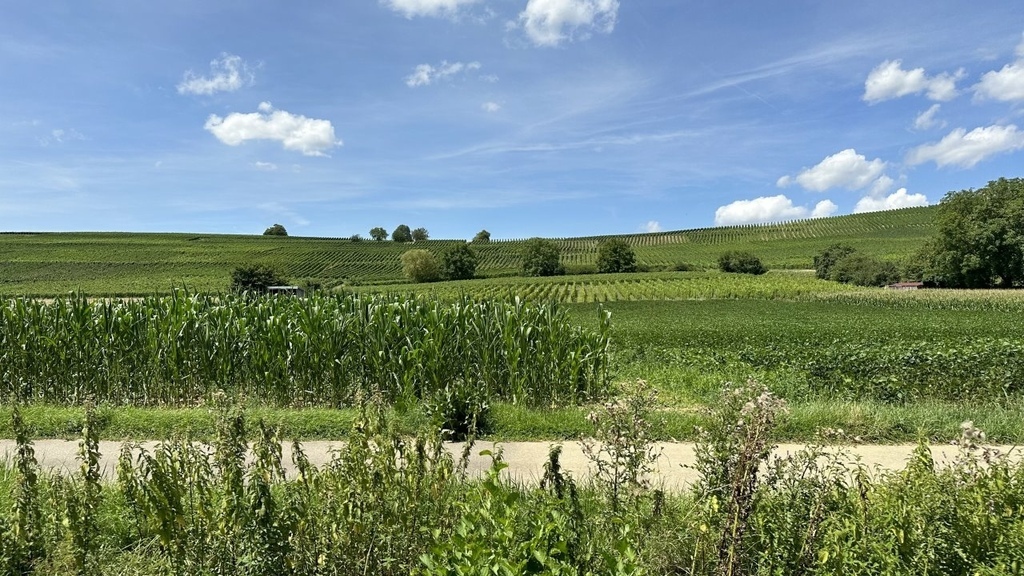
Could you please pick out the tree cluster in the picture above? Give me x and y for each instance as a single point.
(736, 262)
(843, 263)
(457, 263)
(255, 278)
(980, 240)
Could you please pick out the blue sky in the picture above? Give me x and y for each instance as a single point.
(524, 117)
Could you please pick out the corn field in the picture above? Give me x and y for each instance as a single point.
(323, 350)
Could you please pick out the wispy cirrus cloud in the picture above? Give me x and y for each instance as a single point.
(432, 8)
(427, 74)
(227, 74)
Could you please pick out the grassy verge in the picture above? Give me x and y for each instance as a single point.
(867, 421)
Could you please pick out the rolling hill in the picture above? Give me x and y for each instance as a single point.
(105, 263)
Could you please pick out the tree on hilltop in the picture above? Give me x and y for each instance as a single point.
(378, 234)
(275, 230)
(419, 235)
(402, 234)
(482, 237)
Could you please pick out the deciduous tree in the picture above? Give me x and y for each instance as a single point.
(540, 257)
(615, 255)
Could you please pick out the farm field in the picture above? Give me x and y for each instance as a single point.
(731, 362)
(124, 264)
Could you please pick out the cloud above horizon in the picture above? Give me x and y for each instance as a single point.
(898, 199)
(889, 80)
(770, 209)
(426, 74)
(227, 74)
(964, 149)
(846, 169)
(433, 8)
(309, 136)
(1006, 85)
(548, 23)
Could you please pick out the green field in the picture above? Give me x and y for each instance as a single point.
(125, 264)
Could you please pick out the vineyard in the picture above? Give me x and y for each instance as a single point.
(122, 264)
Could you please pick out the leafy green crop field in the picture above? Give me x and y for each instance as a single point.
(126, 264)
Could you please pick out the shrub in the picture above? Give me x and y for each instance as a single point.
(420, 266)
(615, 255)
(255, 278)
(541, 258)
(458, 263)
(741, 263)
(680, 267)
(863, 270)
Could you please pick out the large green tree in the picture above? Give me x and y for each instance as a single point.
(402, 233)
(980, 241)
(420, 234)
(458, 263)
(615, 255)
(541, 258)
(275, 230)
(378, 234)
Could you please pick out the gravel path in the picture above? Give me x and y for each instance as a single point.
(525, 459)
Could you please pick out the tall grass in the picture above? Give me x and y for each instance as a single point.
(323, 350)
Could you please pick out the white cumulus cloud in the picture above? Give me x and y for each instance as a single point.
(898, 199)
(651, 226)
(845, 169)
(425, 74)
(1006, 85)
(889, 80)
(769, 209)
(310, 136)
(413, 8)
(551, 22)
(227, 74)
(926, 120)
(965, 149)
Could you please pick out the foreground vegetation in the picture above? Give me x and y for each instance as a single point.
(390, 504)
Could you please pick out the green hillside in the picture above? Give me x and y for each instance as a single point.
(133, 263)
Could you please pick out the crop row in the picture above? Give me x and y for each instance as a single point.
(323, 350)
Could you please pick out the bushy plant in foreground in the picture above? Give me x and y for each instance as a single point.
(388, 504)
